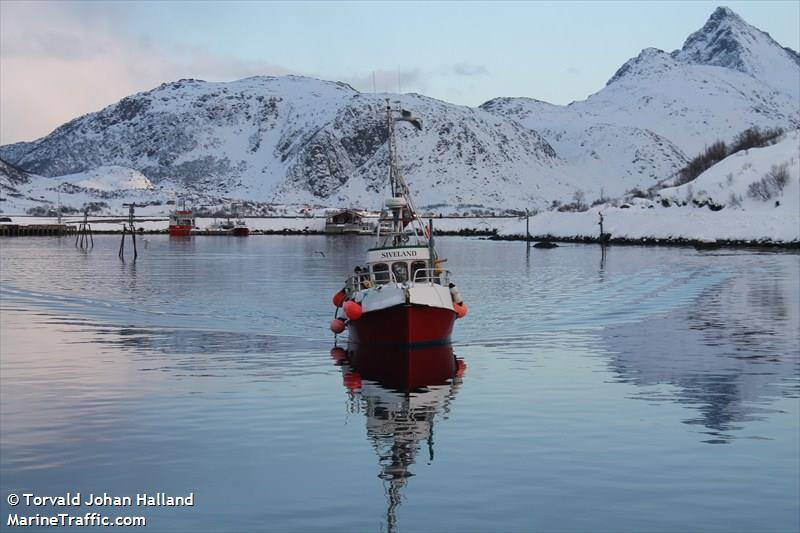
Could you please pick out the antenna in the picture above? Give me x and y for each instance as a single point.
(399, 91)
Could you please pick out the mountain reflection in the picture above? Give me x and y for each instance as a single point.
(401, 402)
(195, 352)
(738, 347)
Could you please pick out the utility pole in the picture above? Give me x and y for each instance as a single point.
(59, 207)
(527, 227)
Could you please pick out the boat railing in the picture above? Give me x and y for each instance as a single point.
(357, 282)
(432, 276)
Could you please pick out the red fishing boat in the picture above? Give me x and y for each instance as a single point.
(181, 221)
(401, 295)
(240, 228)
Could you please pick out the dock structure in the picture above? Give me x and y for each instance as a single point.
(84, 238)
(35, 230)
(128, 226)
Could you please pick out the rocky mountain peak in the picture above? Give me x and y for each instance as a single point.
(726, 40)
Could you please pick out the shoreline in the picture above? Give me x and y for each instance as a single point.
(652, 241)
(491, 235)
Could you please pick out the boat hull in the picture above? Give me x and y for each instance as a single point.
(409, 325)
(180, 231)
(241, 232)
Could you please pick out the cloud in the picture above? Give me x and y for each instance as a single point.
(60, 61)
(466, 69)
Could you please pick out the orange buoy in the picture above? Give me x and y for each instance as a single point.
(338, 298)
(352, 380)
(337, 325)
(352, 310)
(338, 354)
(460, 309)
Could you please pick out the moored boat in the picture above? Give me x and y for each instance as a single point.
(240, 228)
(402, 295)
(222, 227)
(181, 221)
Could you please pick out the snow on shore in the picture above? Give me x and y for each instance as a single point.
(273, 224)
(756, 192)
(677, 223)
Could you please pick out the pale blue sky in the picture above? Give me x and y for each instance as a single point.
(462, 52)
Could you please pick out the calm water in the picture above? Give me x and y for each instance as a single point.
(647, 390)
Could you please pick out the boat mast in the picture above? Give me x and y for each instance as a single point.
(401, 206)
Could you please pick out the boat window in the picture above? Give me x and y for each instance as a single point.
(400, 271)
(380, 272)
(415, 266)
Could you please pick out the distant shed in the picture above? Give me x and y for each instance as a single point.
(348, 221)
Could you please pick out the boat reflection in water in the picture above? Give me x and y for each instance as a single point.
(401, 402)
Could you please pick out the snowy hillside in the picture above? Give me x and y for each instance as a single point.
(12, 176)
(761, 179)
(752, 195)
(462, 156)
(108, 178)
(102, 190)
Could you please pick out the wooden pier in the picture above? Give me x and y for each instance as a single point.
(35, 230)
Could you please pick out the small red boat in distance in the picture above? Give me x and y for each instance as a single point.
(181, 221)
(239, 226)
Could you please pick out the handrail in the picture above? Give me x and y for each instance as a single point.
(422, 275)
(356, 281)
(432, 275)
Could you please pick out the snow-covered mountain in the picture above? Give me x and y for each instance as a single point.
(727, 77)
(301, 140)
(295, 139)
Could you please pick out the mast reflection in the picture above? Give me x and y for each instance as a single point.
(401, 399)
